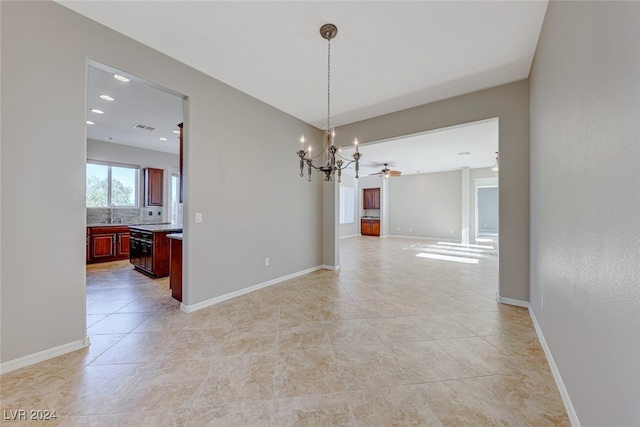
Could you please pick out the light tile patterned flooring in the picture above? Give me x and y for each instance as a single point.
(393, 339)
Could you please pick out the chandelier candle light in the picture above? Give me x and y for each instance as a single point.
(332, 155)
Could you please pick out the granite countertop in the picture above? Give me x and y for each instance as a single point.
(176, 236)
(158, 227)
(370, 217)
(124, 224)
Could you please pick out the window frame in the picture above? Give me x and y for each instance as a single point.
(109, 165)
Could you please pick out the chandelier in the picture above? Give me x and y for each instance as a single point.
(333, 160)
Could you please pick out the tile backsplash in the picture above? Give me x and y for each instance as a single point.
(144, 215)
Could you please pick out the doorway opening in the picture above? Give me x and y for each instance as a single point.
(134, 133)
(432, 203)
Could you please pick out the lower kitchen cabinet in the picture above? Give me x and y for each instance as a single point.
(370, 227)
(107, 243)
(123, 245)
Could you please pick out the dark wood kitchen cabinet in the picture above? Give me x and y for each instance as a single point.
(153, 183)
(103, 246)
(122, 244)
(107, 243)
(371, 198)
(370, 227)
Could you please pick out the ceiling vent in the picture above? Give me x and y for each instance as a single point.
(141, 126)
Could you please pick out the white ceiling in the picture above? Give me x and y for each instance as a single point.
(387, 56)
(135, 102)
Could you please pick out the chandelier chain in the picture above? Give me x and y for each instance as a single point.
(329, 86)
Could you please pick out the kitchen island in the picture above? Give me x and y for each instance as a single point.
(150, 248)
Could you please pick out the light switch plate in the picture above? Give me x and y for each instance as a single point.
(198, 217)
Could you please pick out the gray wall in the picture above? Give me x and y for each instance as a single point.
(45, 48)
(510, 103)
(107, 151)
(426, 205)
(585, 204)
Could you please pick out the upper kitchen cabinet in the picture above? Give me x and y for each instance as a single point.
(153, 181)
(371, 198)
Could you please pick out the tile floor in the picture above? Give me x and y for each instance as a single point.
(395, 338)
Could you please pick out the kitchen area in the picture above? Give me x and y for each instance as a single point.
(143, 239)
(133, 182)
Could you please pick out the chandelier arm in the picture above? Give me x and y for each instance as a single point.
(316, 156)
(311, 165)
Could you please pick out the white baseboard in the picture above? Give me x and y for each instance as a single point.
(511, 301)
(571, 412)
(43, 355)
(330, 267)
(349, 236)
(213, 301)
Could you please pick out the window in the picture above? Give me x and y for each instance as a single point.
(109, 184)
(347, 204)
(175, 203)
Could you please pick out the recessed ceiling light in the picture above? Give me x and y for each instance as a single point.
(95, 110)
(177, 132)
(464, 153)
(163, 139)
(107, 137)
(89, 122)
(106, 98)
(121, 78)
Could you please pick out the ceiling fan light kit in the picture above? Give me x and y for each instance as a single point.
(496, 168)
(386, 172)
(333, 160)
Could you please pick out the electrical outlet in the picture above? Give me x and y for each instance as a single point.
(198, 217)
(266, 262)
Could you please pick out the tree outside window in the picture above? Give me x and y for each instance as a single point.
(109, 184)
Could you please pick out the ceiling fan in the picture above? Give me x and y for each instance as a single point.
(386, 172)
